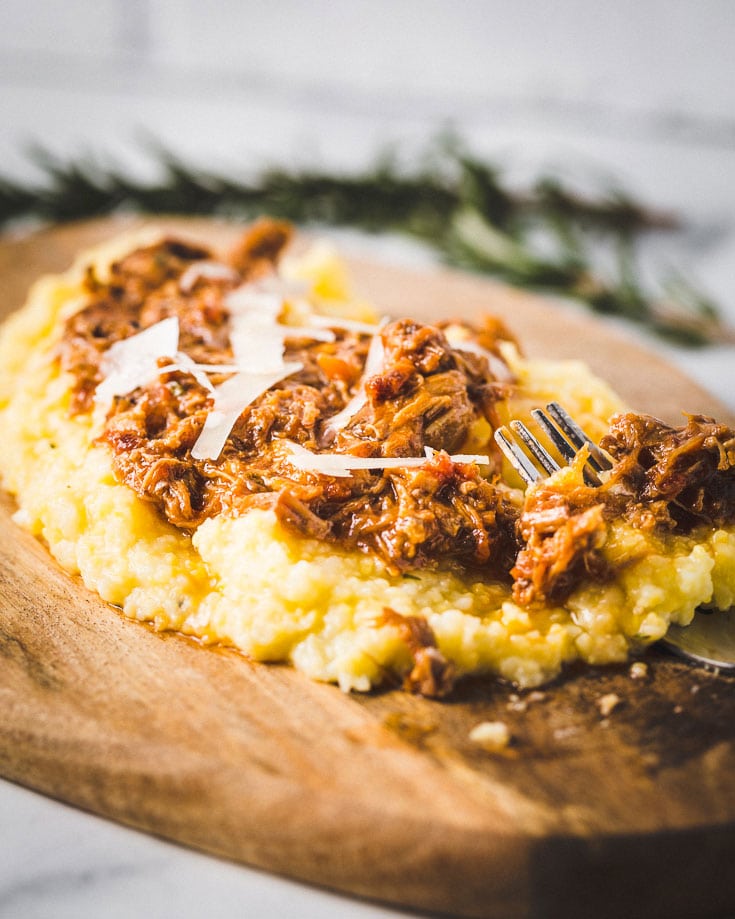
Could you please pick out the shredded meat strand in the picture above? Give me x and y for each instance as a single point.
(260, 248)
(561, 548)
(432, 675)
(682, 475)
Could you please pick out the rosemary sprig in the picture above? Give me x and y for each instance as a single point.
(545, 239)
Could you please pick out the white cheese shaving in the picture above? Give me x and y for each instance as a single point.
(349, 325)
(456, 338)
(257, 342)
(373, 365)
(259, 346)
(286, 288)
(481, 459)
(255, 300)
(256, 337)
(498, 368)
(230, 401)
(184, 364)
(215, 271)
(342, 465)
(305, 331)
(133, 362)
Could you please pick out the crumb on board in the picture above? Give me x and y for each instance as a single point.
(492, 736)
(638, 670)
(564, 733)
(518, 703)
(608, 703)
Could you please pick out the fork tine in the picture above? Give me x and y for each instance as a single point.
(567, 437)
(578, 437)
(567, 424)
(517, 458)
(537, 449)
(559, 441)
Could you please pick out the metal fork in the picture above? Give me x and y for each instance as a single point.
(710, 638)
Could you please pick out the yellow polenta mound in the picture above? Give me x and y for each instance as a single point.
(249, 583)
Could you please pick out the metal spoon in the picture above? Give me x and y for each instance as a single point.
(708, 640)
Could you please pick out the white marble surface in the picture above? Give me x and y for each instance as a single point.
(57, 862)
(644, 93)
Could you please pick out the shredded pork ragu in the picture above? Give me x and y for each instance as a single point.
(426, 393)
(432, 674)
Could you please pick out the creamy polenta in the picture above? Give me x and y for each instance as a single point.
(249, 581)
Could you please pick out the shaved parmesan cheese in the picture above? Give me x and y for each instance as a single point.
(257, 342)
(215, 271)
(252, 299)
(184, 364)
(456, 338)
(133, 362)
(305, 331)
(230, 400)
(498, 368)
(373, 365)
(342, 465)
(480, 459)
(286, 288)
(256, 337)
(349, 325)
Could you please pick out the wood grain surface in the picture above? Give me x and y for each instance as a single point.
(380, 795)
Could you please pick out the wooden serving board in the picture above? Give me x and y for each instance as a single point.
(381, 795)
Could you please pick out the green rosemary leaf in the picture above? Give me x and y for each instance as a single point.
(15, 201)
(685, 316)
(615, 209)
(479, 245)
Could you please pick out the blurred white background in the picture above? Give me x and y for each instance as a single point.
(642, 91)
(292, 78)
